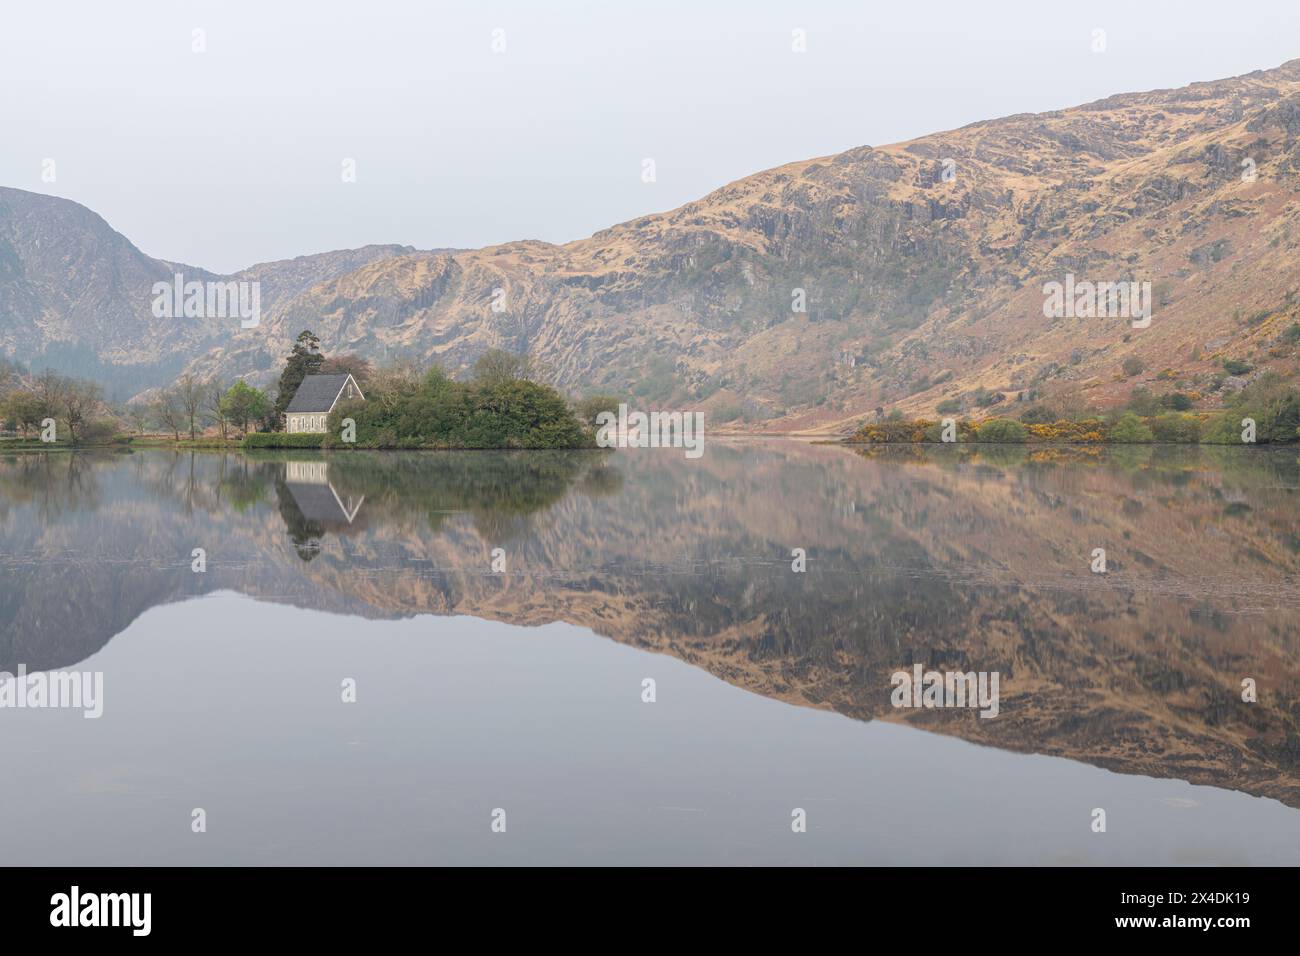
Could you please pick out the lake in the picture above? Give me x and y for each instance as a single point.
(446, 658)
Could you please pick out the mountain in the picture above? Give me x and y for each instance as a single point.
(922, 266)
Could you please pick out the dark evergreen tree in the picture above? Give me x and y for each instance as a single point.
(304, 359)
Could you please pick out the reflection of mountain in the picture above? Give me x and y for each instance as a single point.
(953, 558)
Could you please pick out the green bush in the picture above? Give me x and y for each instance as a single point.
(1224, 429)
(283, 440)
(1237, 367)
(1130, 429)
(1142, 402)
(949, 406)
(99, 431)
(441, 413)
(1185, 429)
(1133, 366)
(1001, 430)
(1039, 415)
(1274, 405)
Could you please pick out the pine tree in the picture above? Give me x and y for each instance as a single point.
(304, 359)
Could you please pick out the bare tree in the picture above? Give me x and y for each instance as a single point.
(213, 393)
(139, 413)
(189, 395)
(167, 412)
(361, 369)
(49, 388)
(81, 400)
(496, 366)
(393, 381)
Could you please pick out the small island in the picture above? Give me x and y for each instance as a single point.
(341, 402)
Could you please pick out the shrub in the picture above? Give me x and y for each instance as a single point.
(1085, 430)
(1177, 401)
(1133, 366)
(1273, 404)
(283, 440)
(949, 406)
(99, 431)
(1237, 367)
(1224, 429)
(1177, 428)
(964, 431)
(1142, 402)
(1130, 429)
(1038, 415)
(588, 408)
(441, 413)
(1001, 430)
(895, 430)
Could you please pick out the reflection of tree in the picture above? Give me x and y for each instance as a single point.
(500, 491)
(304, 534)
(59, 482)
(241, 483)
(601, 481)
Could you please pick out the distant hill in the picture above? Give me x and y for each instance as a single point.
(922, 266)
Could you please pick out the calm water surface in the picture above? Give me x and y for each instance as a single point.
(522, 690)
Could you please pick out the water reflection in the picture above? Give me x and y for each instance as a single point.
(971, 559)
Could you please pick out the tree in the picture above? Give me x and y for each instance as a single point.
(167, 412)
(213, 393)
(304, 359)
(139, 413)
(395, 381)
(359, 368)
(189, 395)
(588, 408)
(81, 400)
(496, 366)
(24, 409)
(243, 404)
(48, 388)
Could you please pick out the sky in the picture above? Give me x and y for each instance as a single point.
(472, 123)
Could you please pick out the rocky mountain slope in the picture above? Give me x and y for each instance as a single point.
(921, 266)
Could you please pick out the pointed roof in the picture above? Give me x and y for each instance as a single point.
(318, 393)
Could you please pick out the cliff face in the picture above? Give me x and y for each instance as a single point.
(921, 266)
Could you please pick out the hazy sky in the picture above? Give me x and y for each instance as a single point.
(235, 155)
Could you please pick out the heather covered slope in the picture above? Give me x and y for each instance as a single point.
(920, 287)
